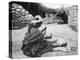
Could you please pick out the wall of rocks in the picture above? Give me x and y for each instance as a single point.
(19, 16)
(73, 17)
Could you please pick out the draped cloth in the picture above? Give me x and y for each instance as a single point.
(34, 44)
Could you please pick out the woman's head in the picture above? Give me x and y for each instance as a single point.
(38, 17)
(37, 22)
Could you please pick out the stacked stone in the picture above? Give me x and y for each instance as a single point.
(20, 15)
(73, 17)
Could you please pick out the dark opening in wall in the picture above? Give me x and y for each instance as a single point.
(64, 17)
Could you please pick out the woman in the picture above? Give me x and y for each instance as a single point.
(34, 43)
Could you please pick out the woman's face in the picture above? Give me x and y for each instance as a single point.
(37, 19)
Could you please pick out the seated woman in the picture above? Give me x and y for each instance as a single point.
(34, 44)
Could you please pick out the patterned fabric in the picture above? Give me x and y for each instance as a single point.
(34, 44)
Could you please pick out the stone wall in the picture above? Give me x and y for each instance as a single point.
(73, 17)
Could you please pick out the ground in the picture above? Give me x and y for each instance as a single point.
(62, 31)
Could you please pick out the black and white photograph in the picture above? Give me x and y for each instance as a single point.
(42, 29)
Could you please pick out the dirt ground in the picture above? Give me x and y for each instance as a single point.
(62, 31)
